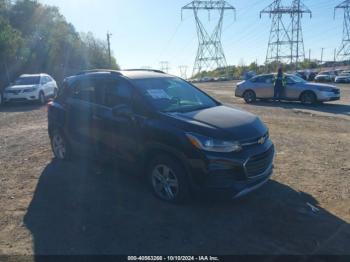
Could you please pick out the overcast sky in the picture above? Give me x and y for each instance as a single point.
(147, 32)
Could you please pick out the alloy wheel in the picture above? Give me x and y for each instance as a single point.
(59, 146)
(165, 182)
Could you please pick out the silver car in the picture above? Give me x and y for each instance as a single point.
(297, 89)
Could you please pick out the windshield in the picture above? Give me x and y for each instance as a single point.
(296, 79)
(173, 95)
(30, 80)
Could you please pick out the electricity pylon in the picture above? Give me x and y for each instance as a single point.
(344, 50)
(286, 44)
(164, 66)
(183, 71)
(210, 54)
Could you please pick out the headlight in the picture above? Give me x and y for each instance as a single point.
(213, 145)
(32, 89)
(325, 89)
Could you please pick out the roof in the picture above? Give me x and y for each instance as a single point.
(32, 75)
(131, 73)
(142, 74)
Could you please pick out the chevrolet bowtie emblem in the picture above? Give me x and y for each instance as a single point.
(261, 141)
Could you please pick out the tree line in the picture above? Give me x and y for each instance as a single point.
(36, 38)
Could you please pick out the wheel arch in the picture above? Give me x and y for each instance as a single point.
(308, 91)
(161, 150)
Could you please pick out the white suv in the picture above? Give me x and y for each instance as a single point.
(31, 88)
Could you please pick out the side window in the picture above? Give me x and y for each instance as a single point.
(263, 79)
(86, 90)
(48, 79)
(290, 80)
(117, 92)
(269, 80)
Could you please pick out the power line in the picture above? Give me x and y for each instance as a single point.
(286, 42)
(344, 50)
(183, 71)
(210, 54)
(164, 66)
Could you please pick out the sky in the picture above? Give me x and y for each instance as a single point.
(144, 33)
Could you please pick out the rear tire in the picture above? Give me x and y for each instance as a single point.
(60, 146)
(42, 98)
(168, 179)
(249, 96)
(308, 98)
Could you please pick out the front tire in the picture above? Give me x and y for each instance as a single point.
(249, 96)
(1, 99)
(55, 92)
(60, 146)
(42, 98)
(308, 98)
(168, 179)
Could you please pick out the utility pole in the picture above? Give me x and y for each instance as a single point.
(164, 66)
(310, 55)
(286, 44)
(183, 71)
(334, 57)
(109, 49)
(344, 50)
(210, 54)
(322, 55)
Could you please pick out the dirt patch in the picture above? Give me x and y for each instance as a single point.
(50, 207)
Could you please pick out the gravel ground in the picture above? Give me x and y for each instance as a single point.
(50, 207)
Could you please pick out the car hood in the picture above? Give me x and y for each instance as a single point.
(339, 77)
(315, 85)
(20, 87)
(221, 122)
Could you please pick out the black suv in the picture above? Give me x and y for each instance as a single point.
(182, 139)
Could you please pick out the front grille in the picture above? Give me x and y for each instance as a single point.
(336, 91)
(18, 99)
(16, 92)
(260, 163)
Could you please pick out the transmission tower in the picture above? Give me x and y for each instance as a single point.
(210, 54)
(344, 50)
(183, 71)
(164, 66)
(286, 44)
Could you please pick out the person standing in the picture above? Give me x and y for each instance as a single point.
(280, 84)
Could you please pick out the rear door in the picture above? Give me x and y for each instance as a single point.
(118, 135)
(80, 114)
(263, 86)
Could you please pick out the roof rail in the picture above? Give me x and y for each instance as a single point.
(147, 70)
(99, 71)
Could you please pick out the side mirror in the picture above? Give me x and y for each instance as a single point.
(122, 111)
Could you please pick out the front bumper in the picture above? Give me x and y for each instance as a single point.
(232, 174)
(327, 96)
(21, 96)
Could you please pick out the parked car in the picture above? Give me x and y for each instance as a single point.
(183, 139)
(1, 97)
(38, 87)
(297, 89)
(326, 76)
(343, 78)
